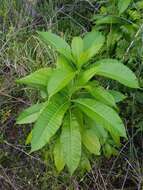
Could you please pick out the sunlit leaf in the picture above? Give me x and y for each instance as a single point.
(48, 122)
(112, 69)
(92, 42)
(38, 79)
(57, 42)
(71, 143)
(77, 48)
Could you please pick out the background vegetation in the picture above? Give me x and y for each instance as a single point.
(21, 53)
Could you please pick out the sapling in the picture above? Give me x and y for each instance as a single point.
(77, 112)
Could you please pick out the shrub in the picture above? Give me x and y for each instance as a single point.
(77, 113)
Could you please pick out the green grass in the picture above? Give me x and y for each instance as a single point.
(21, 53)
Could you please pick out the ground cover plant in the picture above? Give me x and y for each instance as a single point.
(77, 110)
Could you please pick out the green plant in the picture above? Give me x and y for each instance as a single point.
(78, 114)
(120, 21)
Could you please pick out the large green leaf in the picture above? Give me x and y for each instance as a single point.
(48, 122)
(101, 94)
(59, 79)
(91, 141)
(30, 114)
(115, 70)
(77, 48)
(71, 143)
(93, 42)
(123, 5)
(59, 156)
(38, 79)
(57, 42)
(112, 69)
(103, 115)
